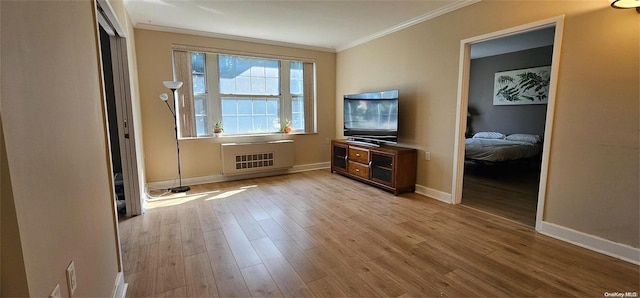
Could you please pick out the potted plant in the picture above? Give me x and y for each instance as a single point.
(217, 128)
(287, 126)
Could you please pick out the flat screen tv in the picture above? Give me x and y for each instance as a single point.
(371, 117)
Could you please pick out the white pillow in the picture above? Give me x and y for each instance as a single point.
(520, 137)
(488, 135)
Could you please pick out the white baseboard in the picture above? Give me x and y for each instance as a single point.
(434, 193)
(222, 178)
(617, 250)
(310, 167)
(120, 287)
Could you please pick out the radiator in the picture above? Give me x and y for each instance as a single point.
(246, 158)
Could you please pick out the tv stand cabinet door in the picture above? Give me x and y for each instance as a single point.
(339, 157)
(382, 170)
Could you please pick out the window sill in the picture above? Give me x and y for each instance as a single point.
(248, 137)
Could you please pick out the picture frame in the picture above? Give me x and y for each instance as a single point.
(522, 86)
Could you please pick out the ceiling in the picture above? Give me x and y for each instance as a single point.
(328, 25)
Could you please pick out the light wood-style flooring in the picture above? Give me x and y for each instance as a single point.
(509, 191)
(321, 234)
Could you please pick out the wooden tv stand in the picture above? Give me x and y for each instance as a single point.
(388, 167)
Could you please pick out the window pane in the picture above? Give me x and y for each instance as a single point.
(226, 67)
(227, 85)
(244, 107)
(297, 113)
(243, 85)
(248, 76)
(197, 62)
(296, 105)
(260, 107)
(260, 124)
(199, 84)
(257, 68)
(273, 86)
(201, 126)
(242, 66)
(230, 124)
(200, 109)
(253, 115)
(229, 107)
(296, 79)
(296, 70)
(258, 85)
(272, 68)
(245, 124)
(272, 106)
(197, 72)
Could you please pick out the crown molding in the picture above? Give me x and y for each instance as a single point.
(425, 17)
(231, 37)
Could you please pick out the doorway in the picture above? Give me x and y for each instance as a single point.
(118, 105)
(465, 120)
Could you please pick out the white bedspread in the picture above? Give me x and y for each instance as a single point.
(499, 150)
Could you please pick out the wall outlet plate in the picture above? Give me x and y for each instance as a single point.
(71, 278)
(56, 292)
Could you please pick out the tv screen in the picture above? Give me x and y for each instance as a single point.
(372, 117)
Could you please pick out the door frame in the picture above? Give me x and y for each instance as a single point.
(463, 103)
(122, 88)
(126, 133)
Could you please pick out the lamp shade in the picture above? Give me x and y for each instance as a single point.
(173, 85)
(625, 3)
(164, 97)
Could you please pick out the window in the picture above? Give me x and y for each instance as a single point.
(250, 95)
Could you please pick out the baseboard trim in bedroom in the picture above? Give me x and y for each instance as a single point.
(617, 250)
(222, 178)
(433, 193)
(120, 287)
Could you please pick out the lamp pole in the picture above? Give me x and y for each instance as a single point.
(173, 86)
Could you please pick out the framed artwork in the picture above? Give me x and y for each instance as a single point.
(522, 87)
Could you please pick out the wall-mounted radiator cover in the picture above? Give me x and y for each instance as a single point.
(246, 158)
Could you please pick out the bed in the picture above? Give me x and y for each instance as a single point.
(496, 147)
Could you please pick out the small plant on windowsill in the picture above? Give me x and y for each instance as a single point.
(217, 128)
(286, 128)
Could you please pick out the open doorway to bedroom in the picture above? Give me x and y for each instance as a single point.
(507, 97)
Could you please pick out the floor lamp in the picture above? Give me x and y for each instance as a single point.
(174, 85)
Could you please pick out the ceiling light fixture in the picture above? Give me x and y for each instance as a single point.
(626, 4)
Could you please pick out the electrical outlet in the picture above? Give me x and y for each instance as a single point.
(427, 155)
(71, 278)
(56, 292)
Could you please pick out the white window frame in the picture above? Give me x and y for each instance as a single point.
(214, 97)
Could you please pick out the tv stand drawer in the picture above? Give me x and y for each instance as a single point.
(358, 155)
(359, 170)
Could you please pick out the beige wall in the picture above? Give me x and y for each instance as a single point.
(12, 274)
(201, 157)
(54, 132)
(593, 173)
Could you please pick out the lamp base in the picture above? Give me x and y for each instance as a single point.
(180, 189)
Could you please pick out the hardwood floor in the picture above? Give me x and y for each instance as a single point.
(321, 234)
(509, 191)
